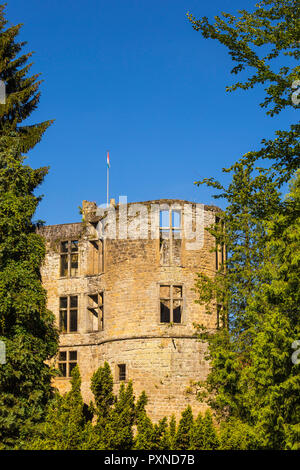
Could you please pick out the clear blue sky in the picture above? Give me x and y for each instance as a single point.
(132, 76)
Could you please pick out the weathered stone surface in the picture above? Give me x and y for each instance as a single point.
(161, 359)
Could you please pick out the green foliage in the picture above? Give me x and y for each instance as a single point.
(70, 423)
(182, 438)
(255, 40)
(197, 434)
(200, 434)
(210, 440)
(253, 383)
(237, 435)
(152, 436)
(140, 409)
(145, 433)
(144, 436)
(66, 426)
(204, 435)
(102, 388)
(119, 428)
(262, 41)
(172, 433)
(161, 440)
(22, 91)
(26, 326)
(253, 378)
(115, 415)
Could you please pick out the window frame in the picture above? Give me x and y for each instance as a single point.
(68, 255)
(118, 372)
(220, 249)
(68, 311)
(171, 229)
(172, 299)
(100, 257)
(67, 362)
(100, 306)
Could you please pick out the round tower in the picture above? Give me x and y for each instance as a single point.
(128, 288)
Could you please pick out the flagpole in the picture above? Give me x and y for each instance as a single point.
(107, 179)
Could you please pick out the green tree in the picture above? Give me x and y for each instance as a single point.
(22, 91)
(140, 407)
(253, 378)
(265, 42)
(197, 434)
(204, 435)
(119, 428)
(144, 439)
(182, 438)
(211, 440)
(237, 435)
(152, 436)
(66, 426)
(102, 388)
(161, 439)
(172, 432)
(26, 326)
(253, 381)
(272, 376)
(116, 416)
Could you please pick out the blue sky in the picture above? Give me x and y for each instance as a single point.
(132, 76)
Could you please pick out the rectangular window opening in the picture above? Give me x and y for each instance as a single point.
(122, 372)
(68, 314)
(67, 360)
(96, 312)
(171, 301)
(176, 219)
(95, 257)
(69, 255)
(170, 235)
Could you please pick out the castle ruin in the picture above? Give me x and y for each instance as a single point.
(120, 284)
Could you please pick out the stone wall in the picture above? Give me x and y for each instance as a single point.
(160, 358)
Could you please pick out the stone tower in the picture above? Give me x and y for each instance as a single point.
(121, 286)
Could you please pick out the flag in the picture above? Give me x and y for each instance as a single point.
(108, 162)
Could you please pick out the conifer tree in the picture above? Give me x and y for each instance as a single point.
(116, 416)
(144, 436)
(261, 324)
(172, 432)
(66, 426)
(183, 434)
(26, 326)
(102, 388)
(140, 407)
(211, 440)
(272, 374)
(197, 434)
(144, 439)
(161, 439)
(204, 435)
(118, 434)
(22, 91)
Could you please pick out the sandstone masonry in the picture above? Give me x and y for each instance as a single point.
(130, 301)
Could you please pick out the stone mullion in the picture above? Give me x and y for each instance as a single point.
(171, 303)
(171, 238)
(68, 313)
